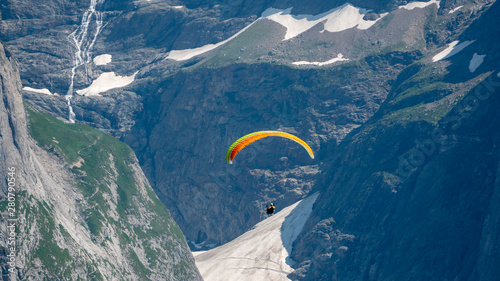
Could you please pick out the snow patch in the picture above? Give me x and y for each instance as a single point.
(181, 55)
(262, 253)
(454, 10)
(102, 59)
(475, 62)
(339, 57)
(452, 49)
(106, 81)
(40, 91)
(334, 20)
(413, 5)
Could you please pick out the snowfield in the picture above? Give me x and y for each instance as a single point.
(476, 61)
(334, 20)
(40, 91)
(181, 55)
(339, 57)
(106, 81)
(454, 10)
(452, 49)
(102, 59)
(262, 253)
(413, 5)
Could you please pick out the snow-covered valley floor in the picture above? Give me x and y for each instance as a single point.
(261, 253)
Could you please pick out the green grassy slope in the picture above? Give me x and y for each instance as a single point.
(115, 200)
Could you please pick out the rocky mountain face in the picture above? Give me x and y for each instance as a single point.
(211, 100)
(76, 202)
(413, 193)
(365, 83)
(196, 111)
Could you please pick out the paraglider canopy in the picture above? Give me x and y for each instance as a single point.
(242, 142)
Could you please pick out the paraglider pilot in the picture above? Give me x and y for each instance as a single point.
(270, 209)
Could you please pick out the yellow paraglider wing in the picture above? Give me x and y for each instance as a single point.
(242, 142)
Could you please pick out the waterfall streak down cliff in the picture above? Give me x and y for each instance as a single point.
(83, 38)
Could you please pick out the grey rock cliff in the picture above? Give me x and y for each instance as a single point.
(13, 124)
(412, 194)
(87, 215)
